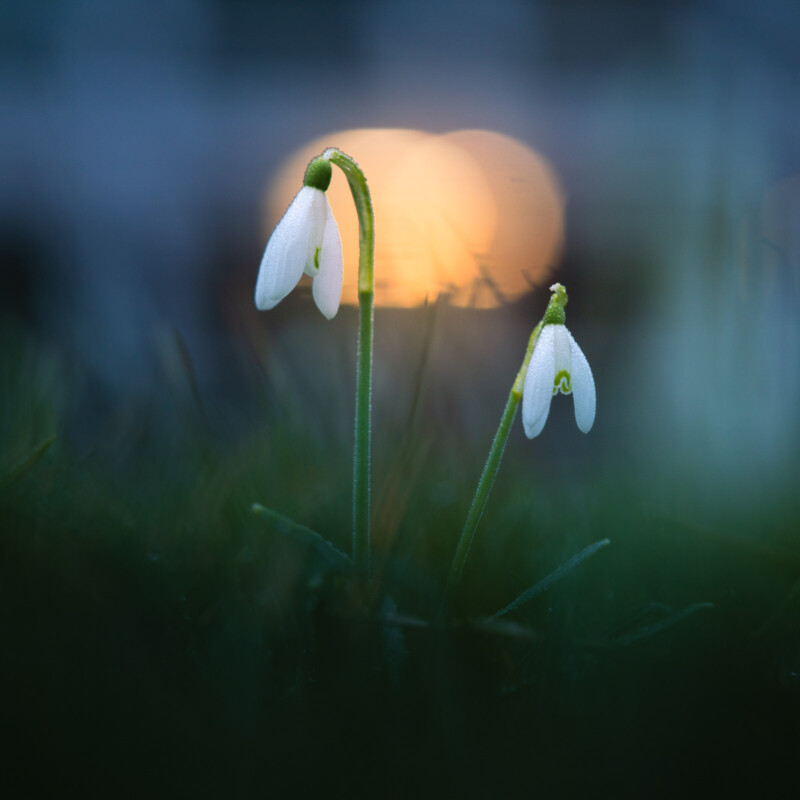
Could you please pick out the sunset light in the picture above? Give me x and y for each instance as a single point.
(475, 215)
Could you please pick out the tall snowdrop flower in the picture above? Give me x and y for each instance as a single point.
(305, 240)
(557, 365)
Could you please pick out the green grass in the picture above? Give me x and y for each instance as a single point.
(160, 638)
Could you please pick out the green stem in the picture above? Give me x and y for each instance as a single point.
(363, 420)
(558, 300)
(489, 472)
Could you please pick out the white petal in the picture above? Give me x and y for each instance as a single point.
(287, 251)
(327, 286)
(582, 388)
(319, 211)
(538, 390)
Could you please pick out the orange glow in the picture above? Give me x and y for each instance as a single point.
(472, 214)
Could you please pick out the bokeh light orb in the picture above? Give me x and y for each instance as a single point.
(474, 215)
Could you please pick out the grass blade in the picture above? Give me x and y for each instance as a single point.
(544, 584)
(22, 466)
(662, 624)
(303, 534)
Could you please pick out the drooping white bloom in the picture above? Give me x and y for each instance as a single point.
(557, 365)
(305, 240)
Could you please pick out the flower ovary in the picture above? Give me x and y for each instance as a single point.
(318, 174)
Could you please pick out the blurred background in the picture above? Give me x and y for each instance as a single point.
(142, 145)
(646, 155)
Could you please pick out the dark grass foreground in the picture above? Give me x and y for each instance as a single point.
(159, 639)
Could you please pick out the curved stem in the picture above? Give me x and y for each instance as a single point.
(363, 419)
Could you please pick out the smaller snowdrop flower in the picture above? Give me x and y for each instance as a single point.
(557, 365)
(305, 240)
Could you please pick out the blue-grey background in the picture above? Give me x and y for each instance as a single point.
(136, 143)
(138, 140)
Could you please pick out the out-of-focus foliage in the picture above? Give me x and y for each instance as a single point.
(159, 636)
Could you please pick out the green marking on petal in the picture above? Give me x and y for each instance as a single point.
(562, 383)
(316, 259)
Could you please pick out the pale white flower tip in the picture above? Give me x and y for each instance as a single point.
(305, 240)
(319, 213)
(327, 286)
(295, 247)
(583, 389)
(538, 389)
(287, 250)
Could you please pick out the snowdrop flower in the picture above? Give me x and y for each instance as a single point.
(557, 365)
(305, 240)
